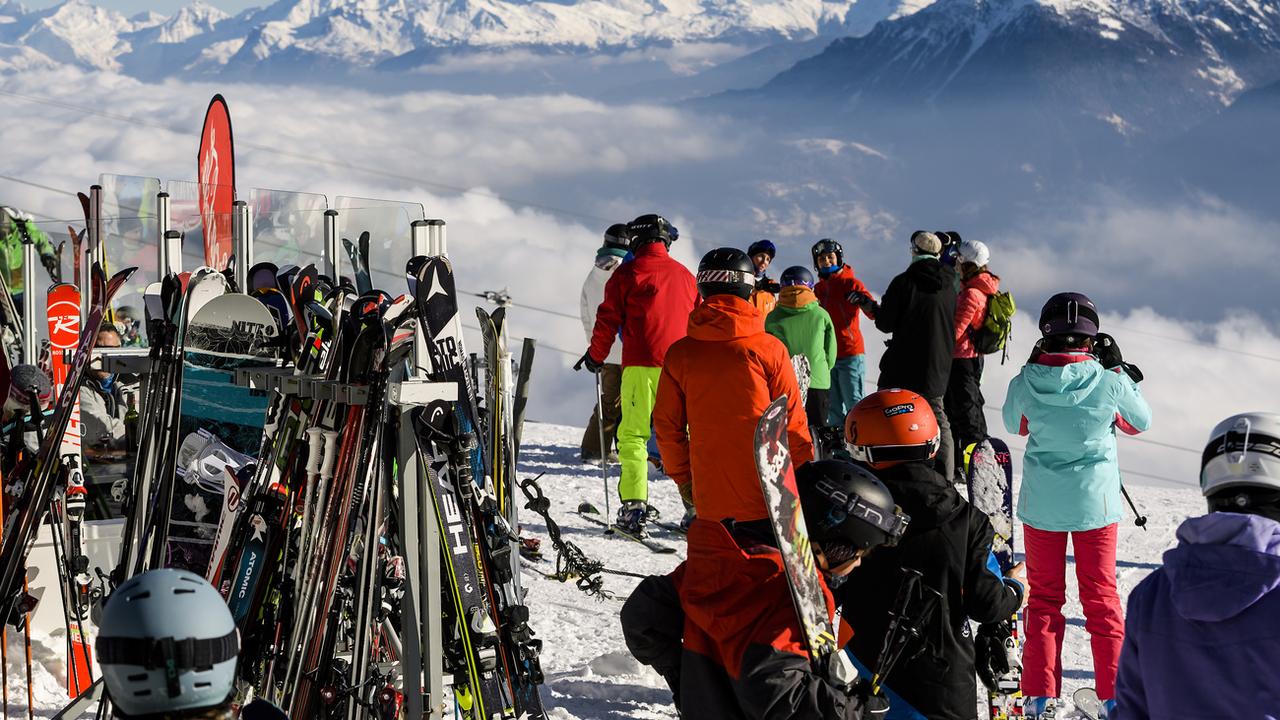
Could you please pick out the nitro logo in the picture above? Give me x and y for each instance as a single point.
(253, 329)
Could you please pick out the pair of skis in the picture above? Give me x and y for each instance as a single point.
(990, 481)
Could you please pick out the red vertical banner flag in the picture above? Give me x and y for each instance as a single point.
(217, 181)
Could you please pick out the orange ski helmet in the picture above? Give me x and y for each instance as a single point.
(891, 427)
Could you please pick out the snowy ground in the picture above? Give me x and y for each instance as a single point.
(590, 674)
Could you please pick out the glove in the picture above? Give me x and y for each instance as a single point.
(51, 266)
(1107, 351)
(1036, 352)
(771, 286)
(858, 298)
(589, 362)
(874, 704)
(989, 654)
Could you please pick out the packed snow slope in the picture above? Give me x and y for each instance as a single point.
(590, 674)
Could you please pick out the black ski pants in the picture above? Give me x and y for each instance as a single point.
(964, 403)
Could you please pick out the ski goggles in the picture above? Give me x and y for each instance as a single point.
(1238, 442)
(892, 523)
(895, 453)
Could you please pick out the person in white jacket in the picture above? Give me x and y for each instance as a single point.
(612, 253)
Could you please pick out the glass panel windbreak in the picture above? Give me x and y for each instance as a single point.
(184, 216)
(288, 227)
(389, 224)
(130, 233)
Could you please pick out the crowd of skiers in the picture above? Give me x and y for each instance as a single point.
(703, 356)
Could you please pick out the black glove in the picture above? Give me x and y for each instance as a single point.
(989, 654)
(770, 286)
(51, 266)
(1107, 351)
(1036, 352)
(874, 704)
(588, 362)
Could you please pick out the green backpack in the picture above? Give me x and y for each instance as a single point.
(996, 329)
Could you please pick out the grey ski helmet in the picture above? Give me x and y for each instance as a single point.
(726, 271)
(846, 504)
(167, 643)
(1240, 466)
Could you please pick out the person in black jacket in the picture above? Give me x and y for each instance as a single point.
(948, 541)
(722, 628)
(918, 311)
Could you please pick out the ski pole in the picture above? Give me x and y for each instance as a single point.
(604, 452)
(1138, 518)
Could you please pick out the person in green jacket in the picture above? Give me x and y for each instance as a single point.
(16, 229)
(806, 329)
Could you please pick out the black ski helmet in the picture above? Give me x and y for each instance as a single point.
(726, 271)
(824, 246)
(651, 228)
(1069, 313)
(617, 237)
(796, 275)
(845, 504)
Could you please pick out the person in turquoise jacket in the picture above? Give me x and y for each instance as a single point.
(799, 321)
(1069, 407)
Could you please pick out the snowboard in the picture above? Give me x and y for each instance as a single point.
(227, 333)
(1087, 702)
(804, 375)
(782, 499)
(990, 480)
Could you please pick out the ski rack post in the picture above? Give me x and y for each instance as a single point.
(332, 246)
(436, 239)
(30, 353)
(173, 239)
(242, 242)
(93, 236)
(162, 234)
(420, 242)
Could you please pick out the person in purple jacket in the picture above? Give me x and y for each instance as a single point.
(1202, 638)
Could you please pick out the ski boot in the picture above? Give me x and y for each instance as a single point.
(687, 520)
(633, 516)
(1040, 708)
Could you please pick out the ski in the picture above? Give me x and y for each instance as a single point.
(990, 480)
(611, 529)
(781, 497)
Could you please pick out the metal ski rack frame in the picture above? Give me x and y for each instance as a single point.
(30, 352)
(242, 242)
(332, 246)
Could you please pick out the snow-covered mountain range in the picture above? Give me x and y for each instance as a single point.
(201, 39)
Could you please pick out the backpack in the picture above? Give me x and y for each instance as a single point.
(997, 327)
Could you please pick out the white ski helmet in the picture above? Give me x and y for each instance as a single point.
(974, 251)
(1243, 452)
(167, 643)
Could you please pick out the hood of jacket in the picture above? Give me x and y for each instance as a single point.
(1223, 564)
(796, 297)
(1063, 380)
(922, 494)
(984, 282)
(929, 274)
(725, 317)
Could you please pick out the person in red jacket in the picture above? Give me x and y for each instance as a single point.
(648, 301)
(716, 384)
(722, 629)
(843, 296)
(963, 400)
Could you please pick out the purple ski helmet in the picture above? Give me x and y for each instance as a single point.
(1069, 313)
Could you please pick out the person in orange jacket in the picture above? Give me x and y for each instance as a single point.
(765, 296)
(648, 301)
(842, 295)
(715, 385)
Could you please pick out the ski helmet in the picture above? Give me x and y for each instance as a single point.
(845, 504)
(27, 383)
(796, 275)
(167, 643)
(1240, 467)
(726, 271)
(824, 246)
(1069, 313)
(763, 246)
(617, 237)
(924, 242)
(974, 252)
(890, 427)
(651, 228)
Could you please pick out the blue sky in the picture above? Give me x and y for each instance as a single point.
(165, 7)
